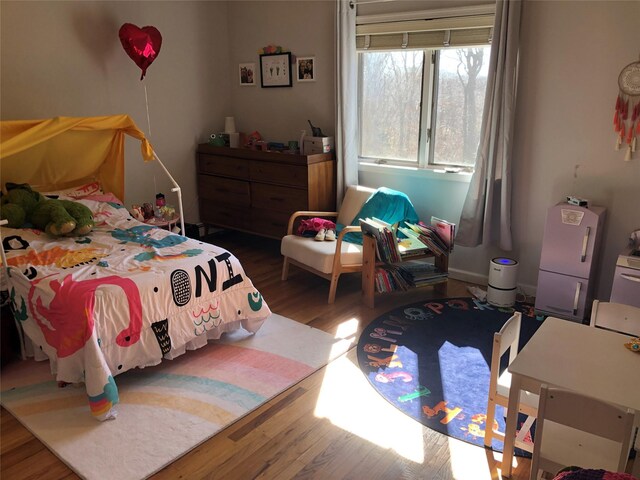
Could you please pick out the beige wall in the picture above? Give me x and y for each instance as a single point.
(572, 53)
(65, 58)
(305, 28)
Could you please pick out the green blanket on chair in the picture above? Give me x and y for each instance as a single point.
(385, 204)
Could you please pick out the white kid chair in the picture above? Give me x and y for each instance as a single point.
(616, 316)
(327, 259)
(623, 319)
(577, 430)
(499, 385)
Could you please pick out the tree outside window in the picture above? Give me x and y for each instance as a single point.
(422, 107)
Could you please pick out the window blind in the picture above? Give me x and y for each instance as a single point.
(427, 33)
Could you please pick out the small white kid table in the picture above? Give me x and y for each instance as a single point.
(588, 360)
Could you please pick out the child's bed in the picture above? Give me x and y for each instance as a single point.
(126, 295)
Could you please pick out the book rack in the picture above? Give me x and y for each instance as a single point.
(370, 263)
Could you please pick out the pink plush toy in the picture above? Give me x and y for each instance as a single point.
(314, 225)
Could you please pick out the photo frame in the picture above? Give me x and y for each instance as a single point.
(306, 69)
(275, 70)
(247, 74)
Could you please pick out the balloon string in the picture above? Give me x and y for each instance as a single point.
(146, 101)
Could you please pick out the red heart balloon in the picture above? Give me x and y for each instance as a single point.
(141, 44)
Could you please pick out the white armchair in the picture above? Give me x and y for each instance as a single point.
(327, 259)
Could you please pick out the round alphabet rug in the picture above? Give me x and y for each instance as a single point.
(432, 361)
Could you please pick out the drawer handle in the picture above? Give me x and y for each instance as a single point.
(632, 278)
(585, 241)
(576, 298)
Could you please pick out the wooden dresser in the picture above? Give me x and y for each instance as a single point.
(257, 191)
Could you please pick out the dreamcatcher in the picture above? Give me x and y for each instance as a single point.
(626, 119)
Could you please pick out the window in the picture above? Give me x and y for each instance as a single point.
(422, 107)
(390, 110)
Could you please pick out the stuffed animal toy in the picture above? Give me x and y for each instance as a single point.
(56, 217)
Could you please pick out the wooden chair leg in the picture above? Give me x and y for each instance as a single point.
(285, 268)
(333, 287)
(488, 424)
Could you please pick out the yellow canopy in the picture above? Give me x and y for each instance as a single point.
(63, 152)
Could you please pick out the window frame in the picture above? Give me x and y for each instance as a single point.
(428, 116)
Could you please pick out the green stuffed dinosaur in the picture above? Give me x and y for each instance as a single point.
(23, 205)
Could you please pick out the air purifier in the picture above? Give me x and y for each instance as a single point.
(501, 290)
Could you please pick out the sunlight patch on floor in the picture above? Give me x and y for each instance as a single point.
(470, 462)
(348, 329)
(348, 400)
(345, 336)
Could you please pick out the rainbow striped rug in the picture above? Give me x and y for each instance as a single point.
(169, 409)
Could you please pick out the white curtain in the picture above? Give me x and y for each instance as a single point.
(347, 98)
(487, 207)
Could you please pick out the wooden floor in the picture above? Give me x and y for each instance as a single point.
(303, 433)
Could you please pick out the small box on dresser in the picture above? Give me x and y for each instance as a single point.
(318, 145)
(257, 191)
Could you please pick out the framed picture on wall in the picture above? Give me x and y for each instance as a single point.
(275, 70)
(306, 69)
(247, 72)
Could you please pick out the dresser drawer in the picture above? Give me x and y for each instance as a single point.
(224, 190)
(280, 199)
(223, 215)
(278, 173)
(224, 166)
(257, 191)
(269, 223)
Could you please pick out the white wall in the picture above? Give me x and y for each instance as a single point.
(65, 58)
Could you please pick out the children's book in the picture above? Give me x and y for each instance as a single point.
(446, 231)
(386, 241)
(438, 236)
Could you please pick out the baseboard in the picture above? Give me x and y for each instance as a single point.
(466, 276)
(478, 279)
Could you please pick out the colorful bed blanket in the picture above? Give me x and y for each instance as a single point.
(574, 473)
(126, 295)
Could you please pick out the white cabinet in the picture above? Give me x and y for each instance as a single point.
(570, 248)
